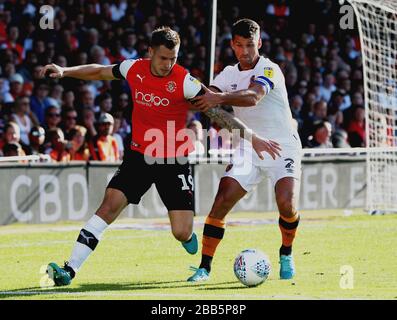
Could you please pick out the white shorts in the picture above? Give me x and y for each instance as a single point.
(249, 170)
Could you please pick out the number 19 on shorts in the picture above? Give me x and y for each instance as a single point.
(185, 185)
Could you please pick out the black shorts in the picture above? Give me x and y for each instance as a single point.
(174, 182)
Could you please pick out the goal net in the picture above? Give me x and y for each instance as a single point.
(377, 24)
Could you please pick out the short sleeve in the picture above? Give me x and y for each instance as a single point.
(220, 81)
(269, 76)
(191, 87)
(120, 70)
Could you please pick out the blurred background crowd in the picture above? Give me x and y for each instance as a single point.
(71, 119)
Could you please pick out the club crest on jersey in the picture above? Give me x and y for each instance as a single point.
(268, 72)
(170, 86)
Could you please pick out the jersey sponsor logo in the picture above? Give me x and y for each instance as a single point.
(139, 77)
(170, 86)
(150, 99)
(268, 72)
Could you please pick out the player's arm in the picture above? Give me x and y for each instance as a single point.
(194, 89)
(228, 121)
(242, 98)
(83, 72)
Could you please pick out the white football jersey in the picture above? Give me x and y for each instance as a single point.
(271, 118)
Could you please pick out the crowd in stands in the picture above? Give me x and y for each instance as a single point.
(71, 119)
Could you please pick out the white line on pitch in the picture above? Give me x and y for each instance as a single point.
(164, 295)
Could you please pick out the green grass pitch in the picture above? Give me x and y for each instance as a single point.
(149, 264)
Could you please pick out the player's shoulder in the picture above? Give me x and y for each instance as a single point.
(178, 69)
(266, 63)
(229, 70)
(268, 68)
(127, 65)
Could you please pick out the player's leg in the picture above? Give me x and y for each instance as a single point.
(113, 203)
(239, 178)
(287, 191)
(182, 229)
(229, 193)
(174, 183)
(285, 173)
(121, 190)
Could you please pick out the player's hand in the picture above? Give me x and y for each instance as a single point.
(270, 146)
(206, 101)
(52, 70)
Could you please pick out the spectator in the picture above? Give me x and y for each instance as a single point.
(68, 99)
(296, 104)
(321, 135)
(11, 134)
(340, 139)
(279, 9)
(118, 119)
(39, 101)
(129, 51)
(88, 121)
(16, 86)
(36, 141)
(104, 102)
(56, 94)
(103, 147)
(356, 128)
(24, 118)
(52, 118)
(12, 43)
(319, 114)
(58, 146)
(69, 121)
(328, 87)
(79, 149)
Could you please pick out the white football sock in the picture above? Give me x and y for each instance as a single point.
(87, 241)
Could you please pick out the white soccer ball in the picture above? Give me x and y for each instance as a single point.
(252, 267)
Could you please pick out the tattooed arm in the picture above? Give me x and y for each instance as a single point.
(226, 120)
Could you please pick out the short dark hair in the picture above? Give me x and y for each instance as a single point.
(245, 28)
(165, 36)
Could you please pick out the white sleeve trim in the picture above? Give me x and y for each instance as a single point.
(191, 86)
(125, 67)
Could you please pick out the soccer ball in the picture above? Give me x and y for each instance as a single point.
(252, 267)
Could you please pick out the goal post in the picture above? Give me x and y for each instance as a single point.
(377, 25)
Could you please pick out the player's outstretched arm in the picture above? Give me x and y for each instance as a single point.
(83, 72)
(230, 122)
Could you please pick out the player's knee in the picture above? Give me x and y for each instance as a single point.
(286, 208)
(182, 234)
(223, 204)
(107, 212)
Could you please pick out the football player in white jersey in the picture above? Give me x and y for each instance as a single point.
(255, 87)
